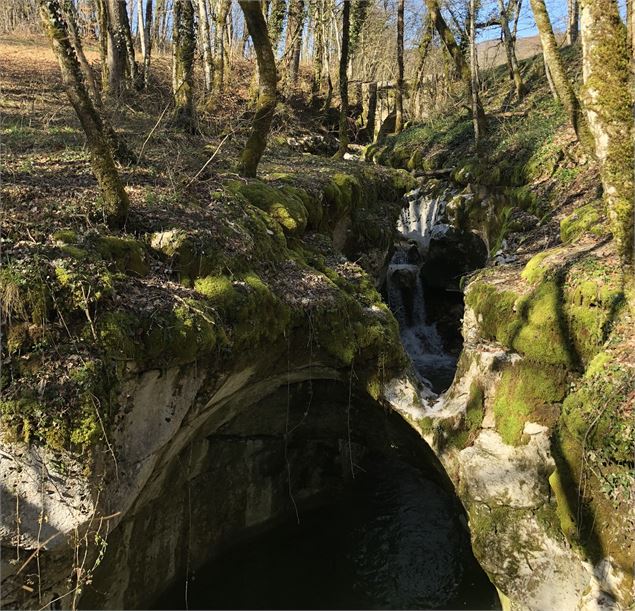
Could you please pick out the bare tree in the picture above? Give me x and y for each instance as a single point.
(456, 54)
(343, 80)
(267, 88)
(510, 50)
(607, 100)
(115, 199)
(561, 83)
(183, 46)
(399, 89)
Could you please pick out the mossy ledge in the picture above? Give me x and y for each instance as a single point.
(261, 264)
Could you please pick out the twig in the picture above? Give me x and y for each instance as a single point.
(208, 161)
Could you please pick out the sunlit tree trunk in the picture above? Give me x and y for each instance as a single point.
(343, 81)
(399, 90)
(114, 197)
(510, 50)
(183, 63)
(479, 127)
(607, 97)
(143, 27)
(318, 49)
(267, 88)
(561, 83)
(205, 44)
(359, 13)
(219, 43)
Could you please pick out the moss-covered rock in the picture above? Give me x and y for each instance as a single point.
(126, 254)
(528, 393)
(586, 219)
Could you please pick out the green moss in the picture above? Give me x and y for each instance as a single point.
(477, 171)
(586, 219)
(66, 236)
(127, 254)
(282, 204)
(536, 269)
(495, 311)
(528, 393)
(540, 334)
(218, 289)
(564, 510)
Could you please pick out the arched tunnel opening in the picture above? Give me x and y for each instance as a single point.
(310, 497)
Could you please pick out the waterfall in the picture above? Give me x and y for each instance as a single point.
(420, 215)
(405, 291)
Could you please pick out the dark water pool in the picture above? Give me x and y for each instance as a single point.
(393, 541)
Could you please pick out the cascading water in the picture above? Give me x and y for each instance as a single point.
(406, 294)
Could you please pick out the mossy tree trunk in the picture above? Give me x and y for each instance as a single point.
(102, 24)
(267, 88)
(183, 64)
(399, 121)
(276, 22)
(118, 147)
(115, 199)
(460, 64)
(510, 50)
(343, 80)
(561, 83)
(608, 98)
(359, 13)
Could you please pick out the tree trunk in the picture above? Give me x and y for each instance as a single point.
(399, 91)
(456, 54)
(573, 22)
(474, 75)
(630, 29)
(318, 51)
(293, 43)
(219, 44)
(267, 94)
(424, 46)
(607, 97)
(102, 21)
(117, 52)
(552, 87)
(561, 83)
(183, 64)
(204, 42)
(143, 27)
(115, 199)
(147, 49)
(276, 22)
(343, 81)
(510, 50)
(359, 12)
(69, 12)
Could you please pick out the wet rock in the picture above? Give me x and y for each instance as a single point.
(452, 254)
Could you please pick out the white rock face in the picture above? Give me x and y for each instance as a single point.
(500, 475)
